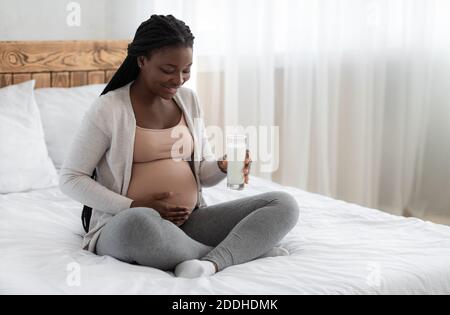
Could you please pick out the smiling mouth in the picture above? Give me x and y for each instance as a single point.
(171, 89)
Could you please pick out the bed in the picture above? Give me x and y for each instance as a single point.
(336, 247)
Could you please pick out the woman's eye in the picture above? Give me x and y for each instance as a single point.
(172, 71)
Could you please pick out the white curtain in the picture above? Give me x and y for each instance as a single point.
(360, 90)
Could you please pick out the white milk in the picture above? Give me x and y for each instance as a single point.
(236, 150)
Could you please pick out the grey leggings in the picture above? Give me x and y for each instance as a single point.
(228, 233)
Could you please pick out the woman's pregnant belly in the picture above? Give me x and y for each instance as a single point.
(162, 176)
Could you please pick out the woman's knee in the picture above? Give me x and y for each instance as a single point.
(140, 212)
(287, 206)
(135, 216)
(138, 224)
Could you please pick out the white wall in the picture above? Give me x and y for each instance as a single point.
(124, 17)
(100, 19)
(46, 20)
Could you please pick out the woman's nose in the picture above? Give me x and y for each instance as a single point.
(178, 79)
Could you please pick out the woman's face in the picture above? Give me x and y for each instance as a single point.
(166, 70)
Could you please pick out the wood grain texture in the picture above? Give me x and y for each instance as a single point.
(109, 74)
(78, 78)
(21, 77)
(5, 79)
(43, 80)
(37, 56)
(60, 79)
(95, 77)
(60, 63)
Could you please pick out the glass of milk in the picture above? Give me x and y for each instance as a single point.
(236, 146)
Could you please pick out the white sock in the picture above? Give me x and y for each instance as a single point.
(195, 268)
(276, 251)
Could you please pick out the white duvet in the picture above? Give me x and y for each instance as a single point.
(336, 248)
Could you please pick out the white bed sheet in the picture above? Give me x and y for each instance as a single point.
(336, 248)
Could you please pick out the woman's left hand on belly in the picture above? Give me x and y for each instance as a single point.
(181, 221)
(223, 165)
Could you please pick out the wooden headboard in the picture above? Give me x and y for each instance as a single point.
(60, 63)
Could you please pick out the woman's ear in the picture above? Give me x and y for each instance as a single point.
(140, 61)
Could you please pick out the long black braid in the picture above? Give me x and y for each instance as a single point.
(157, 32)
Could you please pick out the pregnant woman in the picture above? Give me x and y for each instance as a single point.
(147, 201)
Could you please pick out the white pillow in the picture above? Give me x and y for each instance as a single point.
(62, 110)
(24, 161)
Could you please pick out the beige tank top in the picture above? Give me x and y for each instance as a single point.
(160, 164)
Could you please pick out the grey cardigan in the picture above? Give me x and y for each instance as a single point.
(105, 142)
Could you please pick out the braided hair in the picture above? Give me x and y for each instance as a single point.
(157, 32)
